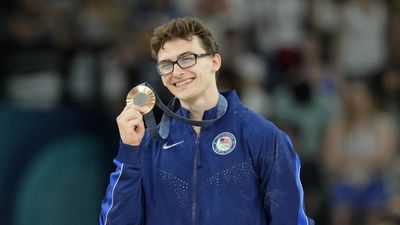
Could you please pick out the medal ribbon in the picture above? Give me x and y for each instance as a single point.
(163, 133)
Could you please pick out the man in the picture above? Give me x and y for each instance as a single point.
(240, 170)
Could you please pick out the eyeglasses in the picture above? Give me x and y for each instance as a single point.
(183, 62)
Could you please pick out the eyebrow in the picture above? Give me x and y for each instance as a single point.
(180, 55)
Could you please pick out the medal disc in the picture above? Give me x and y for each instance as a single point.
(142, 96)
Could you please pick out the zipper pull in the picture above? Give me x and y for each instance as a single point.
(197, 152)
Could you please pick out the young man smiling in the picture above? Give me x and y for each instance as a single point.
(239, 170)
(195, 86)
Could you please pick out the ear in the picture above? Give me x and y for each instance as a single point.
(216, 61)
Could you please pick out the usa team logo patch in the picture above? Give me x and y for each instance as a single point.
(224, 143)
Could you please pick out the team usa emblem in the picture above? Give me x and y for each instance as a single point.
(224, 143)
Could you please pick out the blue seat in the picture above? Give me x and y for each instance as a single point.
(64, 184)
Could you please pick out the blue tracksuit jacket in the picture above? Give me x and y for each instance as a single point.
(242, 170)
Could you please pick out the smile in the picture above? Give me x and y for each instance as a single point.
(183, 83)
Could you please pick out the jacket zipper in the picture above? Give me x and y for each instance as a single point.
(196, 162)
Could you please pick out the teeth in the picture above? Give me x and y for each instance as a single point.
(183, 82)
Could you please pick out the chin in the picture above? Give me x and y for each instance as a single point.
(183, 96)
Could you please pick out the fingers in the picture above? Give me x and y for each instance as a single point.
(130, 118)
(135, 125)
(131, 125)
(138, 108)
(132, 112)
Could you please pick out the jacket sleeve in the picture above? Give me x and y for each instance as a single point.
(279, 168)
(123, 203)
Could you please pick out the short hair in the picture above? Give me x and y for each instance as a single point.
(183, 28)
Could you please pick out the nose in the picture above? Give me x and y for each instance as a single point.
(178, 71)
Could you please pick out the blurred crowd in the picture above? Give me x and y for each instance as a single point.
(327, 72)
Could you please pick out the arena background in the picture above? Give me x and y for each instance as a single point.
(307, 65)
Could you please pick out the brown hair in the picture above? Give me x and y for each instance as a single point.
(184, 28)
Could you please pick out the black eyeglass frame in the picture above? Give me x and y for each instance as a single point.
(196, 56)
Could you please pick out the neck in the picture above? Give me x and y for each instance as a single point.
(198, 106)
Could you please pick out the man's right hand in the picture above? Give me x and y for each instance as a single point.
(131, 125)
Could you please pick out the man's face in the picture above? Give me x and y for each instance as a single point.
(190, 83)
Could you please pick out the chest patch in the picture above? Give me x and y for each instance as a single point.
(224, 143)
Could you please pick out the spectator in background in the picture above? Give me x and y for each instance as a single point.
(281, 25)
(253, 74)
(33, 50)
(393, 215)
(389, 92)
(359, 147)
(302, 108)
(283, 35)
(362, 41)
(324, 23)
(246, 71)
(394, 33)
(228, 77)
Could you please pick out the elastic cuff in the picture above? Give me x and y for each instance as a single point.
(129, 154)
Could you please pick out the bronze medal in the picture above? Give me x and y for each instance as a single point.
(142, 96)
